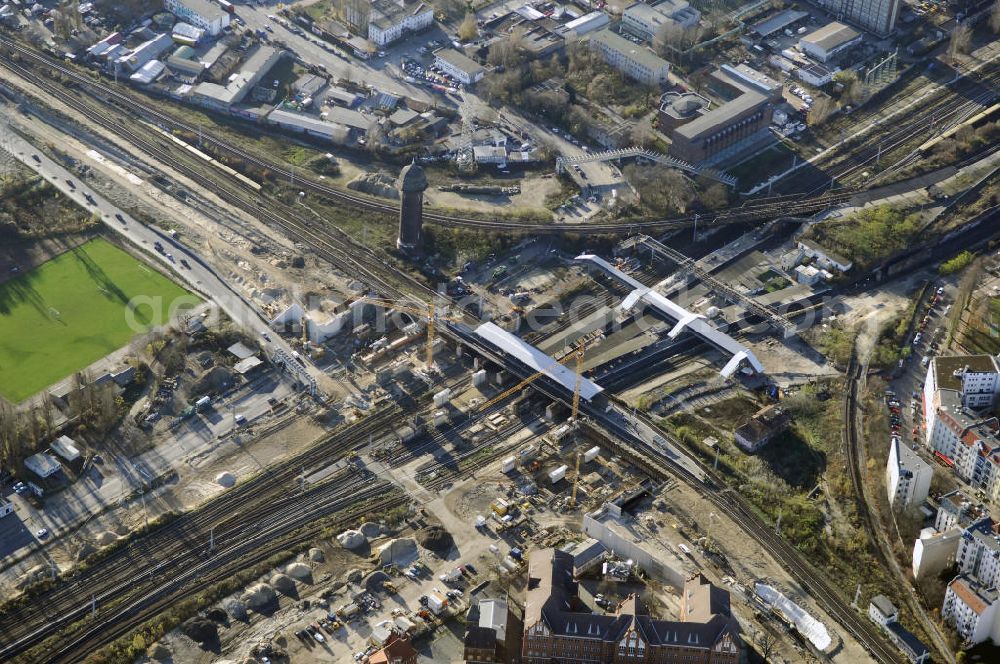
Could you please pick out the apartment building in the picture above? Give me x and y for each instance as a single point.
(645, 20)
(979, 552)
(972, 609)
(560, 629)
(954, 388)
(204, 14)
(907, 476)
(389, 20)
(878, 16)
(937, 547)
(635, 61)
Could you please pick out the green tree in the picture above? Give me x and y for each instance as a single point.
(957, 263)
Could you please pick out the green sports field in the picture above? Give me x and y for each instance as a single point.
(74, 310)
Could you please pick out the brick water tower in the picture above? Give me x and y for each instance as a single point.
(412, 183)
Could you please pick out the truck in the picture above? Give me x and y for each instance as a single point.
(202, 404)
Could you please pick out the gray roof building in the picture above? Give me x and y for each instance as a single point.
(42, 464)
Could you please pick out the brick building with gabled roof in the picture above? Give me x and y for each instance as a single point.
(559, 629)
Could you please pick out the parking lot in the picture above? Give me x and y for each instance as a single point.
(904, 401)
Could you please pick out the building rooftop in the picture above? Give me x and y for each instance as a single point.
(65, 447)
(585, 551)
(204, 8)
(948, 370)
(637, 53)
(831, 36)
(884, 605)
(748, 76)
(722, 116)
(460, 61)
(412, 178)
(552, 599)
(683, 105)
(906, 639)
(972, 593)
(779, 21)
(387, 13)
(906, 458)
(241, 351)
(262, 58)
(493, 615)
(763, 423)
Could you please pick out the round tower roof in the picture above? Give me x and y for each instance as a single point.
(412, 178)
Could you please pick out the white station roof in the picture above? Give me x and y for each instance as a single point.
(686, 320)
(536, 359)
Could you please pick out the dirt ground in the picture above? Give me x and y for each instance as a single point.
(534, 190)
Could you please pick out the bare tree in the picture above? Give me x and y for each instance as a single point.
(468, 30)
(821, 110)
(766, 642)
(961, 41)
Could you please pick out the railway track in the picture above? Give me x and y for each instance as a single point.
(237, 514)
(343, 251)
(793, 205)
(855, 451)
(959, 101)
(221, 566)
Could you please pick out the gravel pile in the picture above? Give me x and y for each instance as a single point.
(260, 596)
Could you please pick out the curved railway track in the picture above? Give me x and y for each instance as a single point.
(339, 249)
(779, 206)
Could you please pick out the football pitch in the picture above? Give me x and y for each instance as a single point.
(73, 310)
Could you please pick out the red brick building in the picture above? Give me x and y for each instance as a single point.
(559, 629)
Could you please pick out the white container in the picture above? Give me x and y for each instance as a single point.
(591, 454)
(507, 465)
(440, 418)
(436, 603)
(442, 397)
(479, 378)
(480, 521)
(558, 474)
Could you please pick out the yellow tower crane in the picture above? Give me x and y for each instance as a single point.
(429, 313)
(577, 353)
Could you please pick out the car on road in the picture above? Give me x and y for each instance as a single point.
(42, 533)
(119, 217)
(70, 184)
(36, 158)
(170, 257)
(185, 264)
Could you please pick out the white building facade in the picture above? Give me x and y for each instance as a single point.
(633, 60)
(209, 16)
(971, 608)
(907, 477)
(389, 21)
